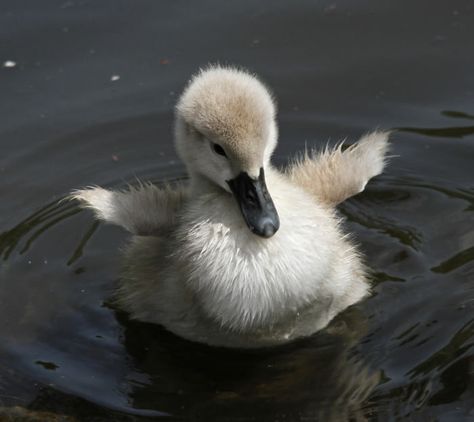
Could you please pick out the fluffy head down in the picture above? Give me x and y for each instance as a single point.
(233, 109)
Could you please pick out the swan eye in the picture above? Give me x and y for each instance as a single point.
(219, 150)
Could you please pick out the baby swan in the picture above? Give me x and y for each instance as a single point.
(243, 255)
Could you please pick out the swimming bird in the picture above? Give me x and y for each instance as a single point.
(242, 254)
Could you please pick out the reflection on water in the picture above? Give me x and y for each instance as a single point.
(350, 369)
(307, 377)
(457, 114)
(34, 226)
(445, 132)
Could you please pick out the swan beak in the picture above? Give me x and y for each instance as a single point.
(255, 204)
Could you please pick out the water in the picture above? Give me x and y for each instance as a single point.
(89, 101)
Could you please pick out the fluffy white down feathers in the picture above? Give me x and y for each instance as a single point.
(196, 268)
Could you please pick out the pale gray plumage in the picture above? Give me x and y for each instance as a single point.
(196, 265)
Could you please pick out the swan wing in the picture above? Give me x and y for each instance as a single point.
(143, 210)
(333, 175)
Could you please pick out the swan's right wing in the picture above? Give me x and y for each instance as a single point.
(143, 210)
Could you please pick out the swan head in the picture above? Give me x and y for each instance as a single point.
(225, 132)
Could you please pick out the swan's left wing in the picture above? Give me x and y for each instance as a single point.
(335, 175)
(143, 210)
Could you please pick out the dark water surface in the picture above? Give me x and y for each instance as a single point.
(88, 100)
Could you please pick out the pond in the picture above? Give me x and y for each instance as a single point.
(87, 96)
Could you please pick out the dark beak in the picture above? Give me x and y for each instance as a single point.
(255, 204)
